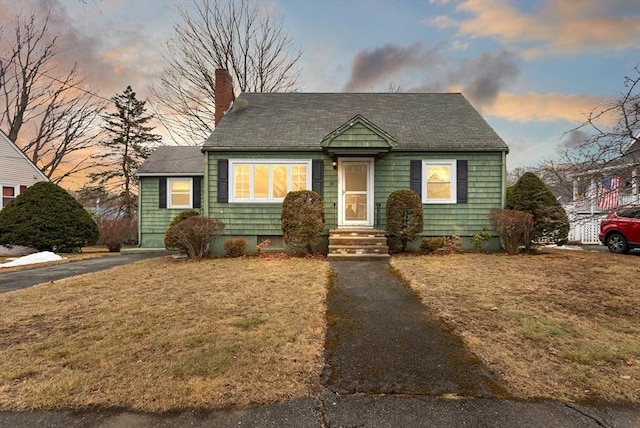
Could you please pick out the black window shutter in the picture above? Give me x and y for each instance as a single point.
(223, 180)
(197, 192)
(415, 182)
(317, 176)
(162, 193)
(462, 174)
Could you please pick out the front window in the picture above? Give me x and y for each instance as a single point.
(179, 192)
(267, 181)
(439, 182)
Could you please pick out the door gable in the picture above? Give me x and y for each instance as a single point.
(358, 136)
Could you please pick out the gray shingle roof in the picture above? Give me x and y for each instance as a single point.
(180, 160)
(299, 121)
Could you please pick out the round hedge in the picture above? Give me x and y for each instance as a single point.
(47, 218)
(302, 219)
(404, 216)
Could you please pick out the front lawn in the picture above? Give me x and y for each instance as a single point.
(163, 334)
(563, 325)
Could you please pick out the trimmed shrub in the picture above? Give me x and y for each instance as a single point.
(235, 247)
(194, 234)
(404, 216)
(513, 227)
(168, 235)
(550, 221)
(115, 232)
(47, 218)
(302, 219)
(431, 245)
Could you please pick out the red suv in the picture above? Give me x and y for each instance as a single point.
(620, 230)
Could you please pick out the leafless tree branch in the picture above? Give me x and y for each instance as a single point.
(240, 36)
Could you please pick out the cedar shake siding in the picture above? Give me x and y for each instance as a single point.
(397, 137)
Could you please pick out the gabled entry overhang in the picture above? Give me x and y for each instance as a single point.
(358, 136)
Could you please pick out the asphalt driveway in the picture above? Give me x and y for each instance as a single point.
(10, 281)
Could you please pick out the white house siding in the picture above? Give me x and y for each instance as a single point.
(16, 169)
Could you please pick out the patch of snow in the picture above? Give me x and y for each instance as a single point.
(565, 247)
(41, 257)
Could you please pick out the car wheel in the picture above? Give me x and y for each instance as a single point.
(617, 243)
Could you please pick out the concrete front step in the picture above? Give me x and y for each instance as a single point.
(358, 249)
(357, 244)
(357, 240)
(356, 257)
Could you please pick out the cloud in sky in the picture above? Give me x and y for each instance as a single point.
(370, 67)
(549, 107)
(484, 77)
(562, 27)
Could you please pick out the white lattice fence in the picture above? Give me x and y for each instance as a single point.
(585, 229)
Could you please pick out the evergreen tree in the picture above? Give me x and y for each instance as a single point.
(130, 142)
(47, 218)
(550, 222)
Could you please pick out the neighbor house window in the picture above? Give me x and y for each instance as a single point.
(267, 180)
(179, 192)
(439, 182)
(9, 193)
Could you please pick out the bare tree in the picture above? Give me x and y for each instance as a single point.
(607, 143)
(44, 111)
(240, 36)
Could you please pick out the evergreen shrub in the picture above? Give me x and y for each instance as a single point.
(404, 216)
(47, 218)
(235, 247)
(302, 219)
(432, 244)
(550, 221)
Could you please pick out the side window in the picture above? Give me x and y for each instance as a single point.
(439, 182)
(9, 193)
(179, 193)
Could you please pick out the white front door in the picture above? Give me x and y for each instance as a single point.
(355, 188)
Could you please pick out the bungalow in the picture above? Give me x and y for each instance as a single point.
(17, 172)
(354, 149)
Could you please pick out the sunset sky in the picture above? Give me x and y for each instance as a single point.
(533, 68)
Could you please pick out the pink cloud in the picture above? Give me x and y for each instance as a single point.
(534, 107)
(563, 27)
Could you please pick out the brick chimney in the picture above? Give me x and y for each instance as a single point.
(223, 92)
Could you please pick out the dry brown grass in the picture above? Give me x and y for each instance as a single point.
(163, 334)
(561, 324)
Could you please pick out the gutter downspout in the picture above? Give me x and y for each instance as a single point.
(205, 186)
(504, 179)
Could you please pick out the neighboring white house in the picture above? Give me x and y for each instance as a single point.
(618, 185)
(17, 172)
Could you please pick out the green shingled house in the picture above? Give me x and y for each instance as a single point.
(354, 149)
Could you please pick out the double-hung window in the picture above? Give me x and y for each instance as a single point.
(439, 182)
(179, 192)
(267, 180)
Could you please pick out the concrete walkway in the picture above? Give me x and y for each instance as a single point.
(389, 363)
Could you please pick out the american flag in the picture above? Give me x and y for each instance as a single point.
(610, 193)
